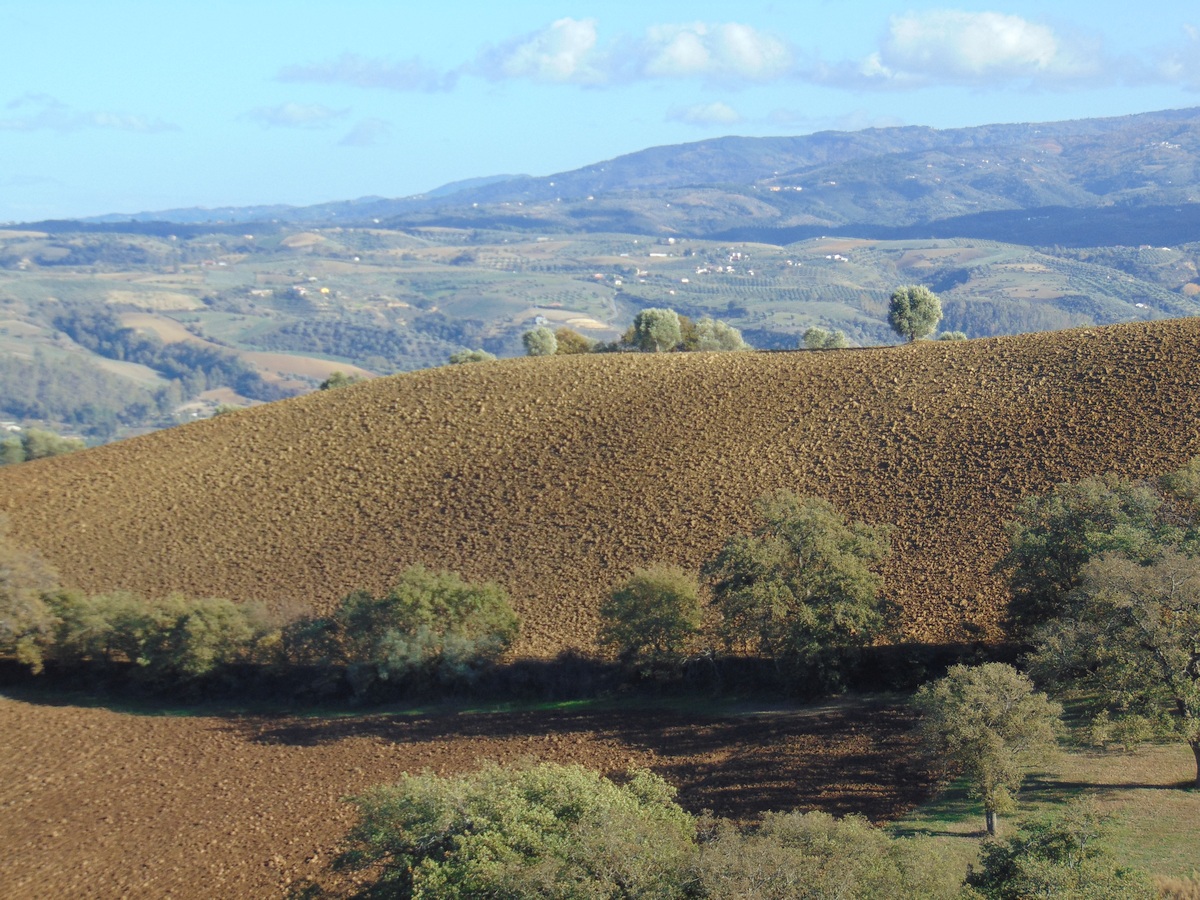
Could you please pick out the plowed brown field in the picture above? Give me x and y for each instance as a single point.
(100, 804)
(556, 476)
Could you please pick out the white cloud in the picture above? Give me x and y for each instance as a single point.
(564, 52)
(1177, 65)
(367, 133)
(723, 51)
(569, 51)
(986, 49)
(295, 115)
(716, 113)
(360, 71)
(969, 46)
(41, 112)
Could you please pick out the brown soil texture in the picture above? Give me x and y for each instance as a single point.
(556, 476)
(95, 803)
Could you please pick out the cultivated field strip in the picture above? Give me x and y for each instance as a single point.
(556, 476)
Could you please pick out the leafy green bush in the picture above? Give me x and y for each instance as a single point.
(470, 356)
(167, 641)
(713, 334)
(1063, 855)
(540, 341)
(430, 626)
(800, 589)
(570, 342)
(649, 618)
(338, 379)
(35, 443)
(814, 855)
(817, 338)
(26, 623)
(538, 831)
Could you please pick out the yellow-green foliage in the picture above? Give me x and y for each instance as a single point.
(819, 856)
(430, 625)
(539, 831)
(26, 624)
(649, 618)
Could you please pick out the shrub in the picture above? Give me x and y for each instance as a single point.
(337, 380)
(540, 341)
(1063, 855)
(26, 622)
(815, 855)
(471, 356)
(713, 334)
(34, 443)
(571, 342)
(536, 831)
(430, 626)
(167, 641)
(800, 590)
(952, 336)
(817, 338)
(649, 618)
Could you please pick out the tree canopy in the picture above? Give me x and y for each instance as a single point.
(1130, 638)
(656, 330)
(544, 830)
(989, 721)
(914, 311)
(649, 618)
(818, 338)
(540, 341)
(800, 589)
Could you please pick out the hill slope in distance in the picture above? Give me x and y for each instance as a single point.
(556, 476)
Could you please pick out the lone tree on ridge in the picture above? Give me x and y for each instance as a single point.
(914, 311)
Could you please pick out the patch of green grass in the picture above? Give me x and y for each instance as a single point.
(1155, 813)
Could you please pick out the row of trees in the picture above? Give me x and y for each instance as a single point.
(653, 331)
(913, 312)
(430, 628)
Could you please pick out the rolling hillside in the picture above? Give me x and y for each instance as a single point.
(555, 476)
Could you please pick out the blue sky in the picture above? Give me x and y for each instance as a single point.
(124, 106)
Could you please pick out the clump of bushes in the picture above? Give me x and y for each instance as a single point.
(431, 628)
(34, 443)
(800, 591)
(163, 642)
(550, 830)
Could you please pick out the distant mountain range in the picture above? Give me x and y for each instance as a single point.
(1089, 182)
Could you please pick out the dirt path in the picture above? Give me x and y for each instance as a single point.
(95, 803)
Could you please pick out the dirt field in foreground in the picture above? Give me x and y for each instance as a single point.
(95, 803)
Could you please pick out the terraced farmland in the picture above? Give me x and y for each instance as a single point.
(555, 476)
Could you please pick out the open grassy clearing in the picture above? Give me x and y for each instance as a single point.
(1156, 814)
